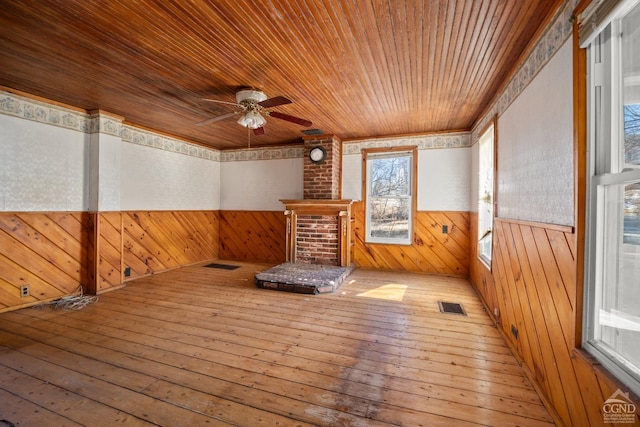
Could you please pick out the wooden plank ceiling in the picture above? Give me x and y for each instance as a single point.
(359, 68)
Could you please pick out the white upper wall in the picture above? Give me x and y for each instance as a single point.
(105, 157)
(155, 179)
(444, 179)
(535, 147)
(58, 159)
(473, 171)
(352, 176)
(260, 184)
(42, 167)
(444, 169)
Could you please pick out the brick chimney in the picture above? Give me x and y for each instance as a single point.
(322, 180)
(319, 226)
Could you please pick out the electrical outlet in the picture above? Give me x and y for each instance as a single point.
(514, 331)
(445, 229)
(496, 312)
(24, 291)
(127, 271)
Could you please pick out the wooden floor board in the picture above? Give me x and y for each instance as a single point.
(348, 312)
(203, 346)
(382, 323)
(342, 329)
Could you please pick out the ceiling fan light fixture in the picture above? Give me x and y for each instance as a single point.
(254, 105)
(252, 120)
(253, 95)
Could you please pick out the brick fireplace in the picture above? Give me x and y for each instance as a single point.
(318, 231)
(319, 226)
(318, 236)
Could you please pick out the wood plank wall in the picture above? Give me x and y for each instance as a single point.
(479, 274)
(259, 236)
(253, 236)
(431, 251)
(533, 285)
(48, 251)
(108, 242)
(155, 241)
(55, 253)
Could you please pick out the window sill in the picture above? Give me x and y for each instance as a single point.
(600, 371)
(388, 243)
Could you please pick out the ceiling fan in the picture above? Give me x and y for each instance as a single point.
(253, 104)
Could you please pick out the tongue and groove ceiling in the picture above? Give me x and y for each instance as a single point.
(357, 68)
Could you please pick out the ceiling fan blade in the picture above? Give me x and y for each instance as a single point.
(217, 118)
(292, 119)
(258, 131)
(274, 102)
(220, 102)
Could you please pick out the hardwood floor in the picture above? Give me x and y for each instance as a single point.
(202, 346)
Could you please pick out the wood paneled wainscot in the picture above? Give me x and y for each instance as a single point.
(138, 243)
(532, 284)
(54, 254)
(431, 251)
(253, 236)
(105, 263)
(155, 241)
(44, 253)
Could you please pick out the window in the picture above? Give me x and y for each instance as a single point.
(389, 195)
(485, 193)
(612, 288)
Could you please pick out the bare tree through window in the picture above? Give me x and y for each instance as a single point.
(632, 157)
(632, 134)
(389, 196)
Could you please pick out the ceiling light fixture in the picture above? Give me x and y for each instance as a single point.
(252, 120)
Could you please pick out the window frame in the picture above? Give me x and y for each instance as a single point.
(606, 170)
(485, 233)
(368, 154)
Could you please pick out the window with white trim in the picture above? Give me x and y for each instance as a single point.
(486, 172)
(611, 33)
(389, 196)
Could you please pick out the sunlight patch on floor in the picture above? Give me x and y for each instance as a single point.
(391, 292)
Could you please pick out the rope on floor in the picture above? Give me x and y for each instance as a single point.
(78, 301)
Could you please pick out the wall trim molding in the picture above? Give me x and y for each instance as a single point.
(42, 112)
(265, 153)
(97, 122)
(27, 108)
(134, 135)
(422, 142)
(548, 226)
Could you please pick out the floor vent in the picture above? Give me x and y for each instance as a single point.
(451, 308)
(222, 266)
